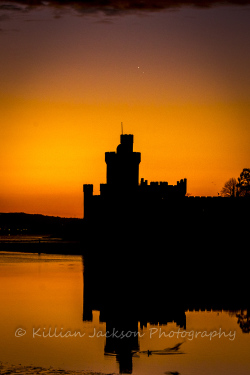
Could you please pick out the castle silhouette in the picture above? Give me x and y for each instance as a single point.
(123, 183)
(134, 214)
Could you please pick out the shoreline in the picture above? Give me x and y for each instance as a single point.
(6, 368)
(42, 245)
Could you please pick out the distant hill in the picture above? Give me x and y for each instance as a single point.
(27, 224)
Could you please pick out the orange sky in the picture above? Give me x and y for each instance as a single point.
(178, 80)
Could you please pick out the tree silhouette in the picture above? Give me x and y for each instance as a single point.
(244, 321)
(229, 188)
(243, 186)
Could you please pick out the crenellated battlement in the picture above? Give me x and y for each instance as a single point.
(163, 189)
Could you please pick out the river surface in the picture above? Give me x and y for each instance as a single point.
(44, 328)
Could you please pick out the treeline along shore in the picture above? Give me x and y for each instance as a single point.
(40, 234)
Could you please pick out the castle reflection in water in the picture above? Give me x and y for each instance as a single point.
(129, 299)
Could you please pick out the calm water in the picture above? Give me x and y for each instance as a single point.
(43, 297)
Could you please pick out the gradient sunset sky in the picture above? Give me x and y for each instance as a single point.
(178, 77)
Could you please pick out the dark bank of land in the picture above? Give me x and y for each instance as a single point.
(6, 368)
(35, 224)
(40, 234)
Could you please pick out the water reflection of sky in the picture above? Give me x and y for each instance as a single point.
(44, 295)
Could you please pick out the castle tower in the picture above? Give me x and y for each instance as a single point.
(123, 165)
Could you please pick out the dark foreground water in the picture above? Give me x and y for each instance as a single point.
(47, 325)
